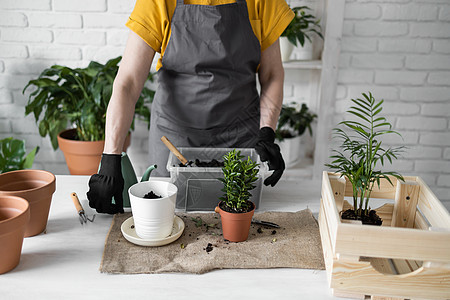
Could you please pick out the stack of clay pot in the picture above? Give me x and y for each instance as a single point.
(25, 198)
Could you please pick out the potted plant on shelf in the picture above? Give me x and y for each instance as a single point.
(79, 97)
(291, 126)
(394, 259)
(300, 30)
(235, 209)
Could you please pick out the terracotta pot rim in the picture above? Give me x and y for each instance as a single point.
(226, 212)
(70, 141)
(12, 222)
(78, 141)
(47, 184)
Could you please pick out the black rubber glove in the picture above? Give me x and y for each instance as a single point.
(106, 184)
(269, 151)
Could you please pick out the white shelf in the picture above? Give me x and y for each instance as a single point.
(322, 88)
(303, 64)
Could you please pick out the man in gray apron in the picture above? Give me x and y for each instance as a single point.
(206, 96)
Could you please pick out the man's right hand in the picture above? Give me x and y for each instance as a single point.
(105, 185)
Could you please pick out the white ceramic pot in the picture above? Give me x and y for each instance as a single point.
(291, 150)
(305, 52)
(286, 48)
(153, 218)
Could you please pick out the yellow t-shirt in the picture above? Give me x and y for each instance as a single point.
(150, 19)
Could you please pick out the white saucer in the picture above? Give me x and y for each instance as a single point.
(130, 233)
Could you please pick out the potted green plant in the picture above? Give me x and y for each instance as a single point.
(235, 209)
(292, 124)
(299, 30)
(78, 97)
(361, 152)
(13, 155)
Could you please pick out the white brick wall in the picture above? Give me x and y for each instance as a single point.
(36, 34)
(400, 50)
(397, 49)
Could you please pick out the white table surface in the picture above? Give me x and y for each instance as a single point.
(64, 262)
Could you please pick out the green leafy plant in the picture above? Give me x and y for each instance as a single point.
(293, 122)
(301, 26)
(13, 155)
(80, 97)
(362, 150)
(238, 179)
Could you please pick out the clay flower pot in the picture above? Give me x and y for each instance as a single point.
(82, 158)
(37, 187)
(14, 217)
(235, 226)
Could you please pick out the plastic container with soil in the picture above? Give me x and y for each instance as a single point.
(198, 187)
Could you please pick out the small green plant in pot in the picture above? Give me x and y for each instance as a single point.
(235, 208)
(13, 155)
(299, 32)
(360, 153)
(292, 124)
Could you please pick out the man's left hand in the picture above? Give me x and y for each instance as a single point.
(270, 152)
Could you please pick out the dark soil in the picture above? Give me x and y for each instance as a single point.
(214, 163)
(224, 207)
(152, 195)
(208, 248)
(371, 219)
(70, 135)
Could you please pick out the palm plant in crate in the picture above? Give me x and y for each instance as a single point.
(361, 151)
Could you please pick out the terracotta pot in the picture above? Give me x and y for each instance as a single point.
(14, 217)
(235, 226)
(83, 158)
(37, 187)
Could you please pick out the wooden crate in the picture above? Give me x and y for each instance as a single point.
(408, 257)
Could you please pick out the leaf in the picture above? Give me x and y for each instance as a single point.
(12, 155)
(29, 159)
(198, 221)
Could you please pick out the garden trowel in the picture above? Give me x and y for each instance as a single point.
(177, 153)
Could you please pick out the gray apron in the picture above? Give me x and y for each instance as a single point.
(206, 94)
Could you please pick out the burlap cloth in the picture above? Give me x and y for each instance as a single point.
(295, 245)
